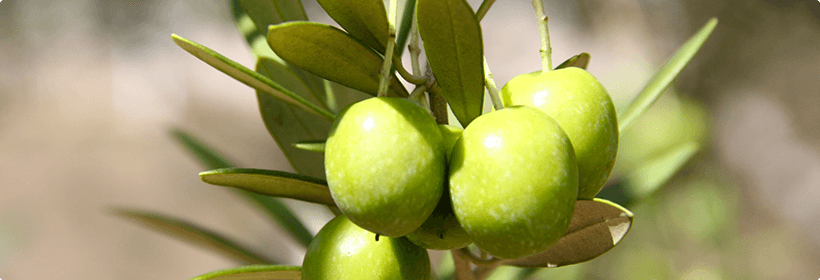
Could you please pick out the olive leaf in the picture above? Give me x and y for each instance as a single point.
(332, 54)
(580, 61)
(287, 124)
(248, 77)
(313, 146)
(193, 234)
(278, 211)
(255, 272)
(271, 183)
(365, 20)
(597, 225)
(651, 175)
(454, 48)
(661, 80)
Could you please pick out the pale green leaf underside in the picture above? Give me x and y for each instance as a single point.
(365, 20)
(661, 80)
(193, 234)
(287, 124)
(313, 146)
(275, 208)
(580, 61)
(247, 76)
(272, 183)
(597, 225)
(332, 54)
(652, 174)
(255, 272)
(452, 41)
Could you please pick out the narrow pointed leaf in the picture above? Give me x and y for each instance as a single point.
(650, 176)
(454, 48)
(247, 76)
(288, 124)
(193, 234)
(255, 272)
(332, 54)
(313, 146)
(580, 61)
(278, 211)
(597, 225)
(253, 17)
(271, 183)
(661, 80)
(365, 20)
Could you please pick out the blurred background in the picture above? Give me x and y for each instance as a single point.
(90, 88)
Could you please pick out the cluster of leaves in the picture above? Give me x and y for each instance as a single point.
(306, 71)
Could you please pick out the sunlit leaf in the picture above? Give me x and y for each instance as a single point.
(332, 54)
(580, 61)
(288, 124)
(272, 183)
(255, 272)
(247, 76)
(454, 48)
(253, 17)
(597, 225)
(313, 146)
(193, 234)
(365, 20)
(651, 175)
(661, 80)
(278, 211)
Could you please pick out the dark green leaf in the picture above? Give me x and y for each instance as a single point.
(332, 54)
(365, 20)
(288, 124)
(248, 77)
(661, 80)
(313, 146)
(597, 225)
(255, 272)
(278, 211)
(651, 175)
(580, 61)
(454, 48)
(405, 25)
(193, 234)
(271, 183)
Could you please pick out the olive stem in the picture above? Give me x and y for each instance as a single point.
(462, 266)
(437, 102)
(391, 45)
(414, 48)
(489, 83)
(413, 79)
(482, 10)
(546, 49)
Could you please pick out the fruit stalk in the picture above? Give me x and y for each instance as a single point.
(388, 54)
(546, 49)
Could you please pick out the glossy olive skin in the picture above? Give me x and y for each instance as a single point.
(441, 230)
(583, 108)
(513, 181)
(385, 165)
(342, 250)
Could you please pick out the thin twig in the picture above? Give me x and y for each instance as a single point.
(482, 10)
(546, 49)
(489, 83)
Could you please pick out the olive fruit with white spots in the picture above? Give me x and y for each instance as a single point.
(582, 107)
(513, 181)
(342, 250)
(385, 164)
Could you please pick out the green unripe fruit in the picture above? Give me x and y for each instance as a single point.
(513, 181)
(342, 250)
(385, 165)
(581, 105)
(441, 230)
